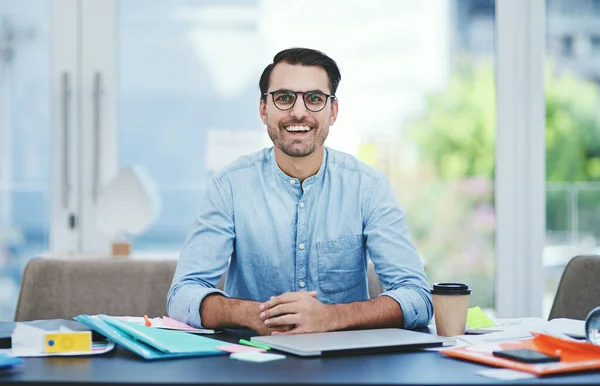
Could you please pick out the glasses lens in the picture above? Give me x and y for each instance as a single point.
(284, 100)
(315, 101)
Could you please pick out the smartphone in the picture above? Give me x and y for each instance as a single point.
(526, 356)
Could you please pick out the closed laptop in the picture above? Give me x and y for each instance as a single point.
(349, 342)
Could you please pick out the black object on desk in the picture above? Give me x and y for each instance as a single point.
(526, 356)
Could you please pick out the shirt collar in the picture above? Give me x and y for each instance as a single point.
(310, 180)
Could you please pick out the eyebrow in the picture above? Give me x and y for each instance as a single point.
(309, 91)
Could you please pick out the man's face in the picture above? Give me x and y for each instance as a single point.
(298, 132)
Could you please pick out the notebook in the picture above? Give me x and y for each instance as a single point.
(349, 342)
(151, 343)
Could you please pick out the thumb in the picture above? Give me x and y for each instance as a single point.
(313, 293)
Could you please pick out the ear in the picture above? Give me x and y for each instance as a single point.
(334, 112)
(262, 111)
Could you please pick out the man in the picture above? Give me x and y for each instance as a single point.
(297, 223)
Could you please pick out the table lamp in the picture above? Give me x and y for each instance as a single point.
(126, 206)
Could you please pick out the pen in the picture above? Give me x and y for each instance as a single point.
(254, 344)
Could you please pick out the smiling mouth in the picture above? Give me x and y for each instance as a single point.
(297, 129)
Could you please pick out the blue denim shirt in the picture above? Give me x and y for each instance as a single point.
(281, 236)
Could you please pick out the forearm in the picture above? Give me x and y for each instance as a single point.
(217, 311)
(380, 312)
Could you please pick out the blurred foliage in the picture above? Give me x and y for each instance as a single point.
(456, 131)
(452, 216)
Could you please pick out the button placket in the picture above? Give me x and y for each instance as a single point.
(301, 246)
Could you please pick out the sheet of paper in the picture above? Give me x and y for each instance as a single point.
(28, 341)
(507, 324)
(505, 374)
(510, 334)
(570, 327)
(253, 356)
(519, 322)
(476, 318)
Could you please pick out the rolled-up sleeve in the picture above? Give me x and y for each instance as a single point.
(204, 257)
(394, 256)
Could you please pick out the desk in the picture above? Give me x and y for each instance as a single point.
(125, 368)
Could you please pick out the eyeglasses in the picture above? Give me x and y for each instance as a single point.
(314, 101)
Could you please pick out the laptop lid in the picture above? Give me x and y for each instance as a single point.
(348, 342)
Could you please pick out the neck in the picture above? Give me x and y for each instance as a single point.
(300, 167)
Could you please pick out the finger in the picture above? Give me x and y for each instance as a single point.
(288, 332)
(281, 309)
(283, 320)
(283, 298)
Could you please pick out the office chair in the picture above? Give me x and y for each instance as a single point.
(579, 289)
(64, 288)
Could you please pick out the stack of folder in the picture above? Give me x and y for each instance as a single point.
(574, 355)
(151, 343)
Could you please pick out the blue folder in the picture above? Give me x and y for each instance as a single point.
(9, 363)
(151, 343)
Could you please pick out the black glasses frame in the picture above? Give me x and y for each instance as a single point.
(327, 97)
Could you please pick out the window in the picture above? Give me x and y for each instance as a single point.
(412, 104)
(572, 144)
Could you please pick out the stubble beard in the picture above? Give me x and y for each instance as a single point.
(297, 147)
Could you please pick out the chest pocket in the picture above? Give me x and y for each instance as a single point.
(341, 264)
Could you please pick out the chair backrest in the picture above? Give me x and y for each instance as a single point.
(579, 289)
(62, 289)
(375, 287)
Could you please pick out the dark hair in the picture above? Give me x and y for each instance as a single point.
(304, 57)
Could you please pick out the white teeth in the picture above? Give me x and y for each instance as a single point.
(297, 128)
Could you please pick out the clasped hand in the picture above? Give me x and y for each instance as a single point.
(296, 313)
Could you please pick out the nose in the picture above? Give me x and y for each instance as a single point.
(299, 110)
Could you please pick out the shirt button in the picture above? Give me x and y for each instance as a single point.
(301, 205)
(301, 246)
(302, 284)
(292, 182)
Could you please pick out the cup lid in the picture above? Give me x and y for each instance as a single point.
(450, 289)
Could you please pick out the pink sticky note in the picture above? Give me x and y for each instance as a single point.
(232, 348)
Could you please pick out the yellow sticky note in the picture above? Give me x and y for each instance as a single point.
(476, 318)
(69, 342)
(367, 153)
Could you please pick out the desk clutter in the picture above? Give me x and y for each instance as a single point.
(521, 347)
(527, 345)
(98, 334)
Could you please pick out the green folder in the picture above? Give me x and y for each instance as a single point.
(152, 343)
(175, 342)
